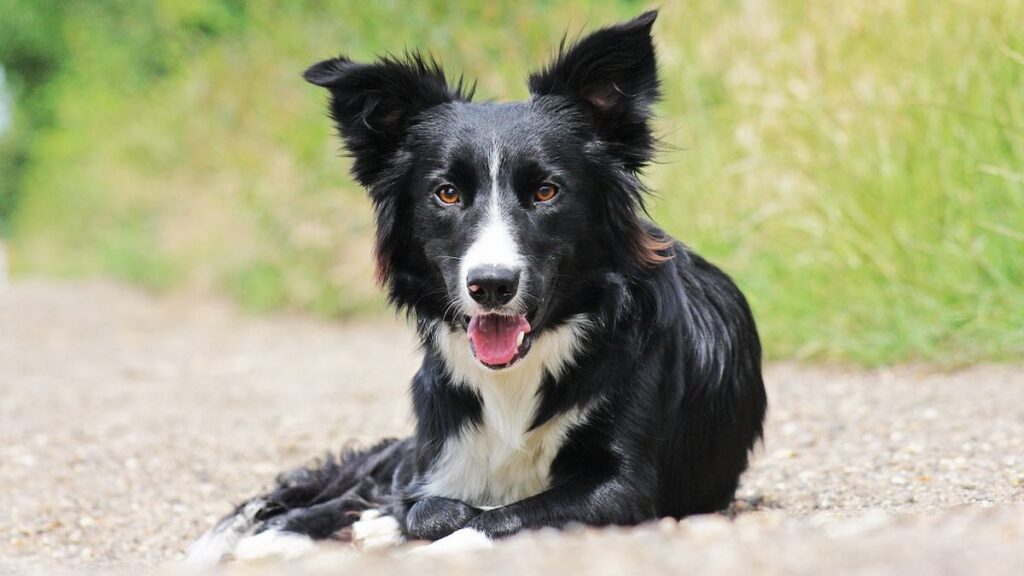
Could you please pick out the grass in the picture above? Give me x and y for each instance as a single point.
(857, 166)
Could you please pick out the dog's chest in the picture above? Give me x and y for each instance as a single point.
(500, 460)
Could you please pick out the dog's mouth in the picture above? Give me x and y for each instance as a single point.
(498, 341)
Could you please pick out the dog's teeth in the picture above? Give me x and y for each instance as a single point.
(519, 338)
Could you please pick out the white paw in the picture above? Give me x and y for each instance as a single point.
(375, 531)
(210, 548)
(273, 545)
(464, 540)
(220, 540)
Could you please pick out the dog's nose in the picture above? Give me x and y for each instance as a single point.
(492, 285)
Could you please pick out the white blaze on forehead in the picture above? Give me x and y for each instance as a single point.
(493, 164)
(494, 244)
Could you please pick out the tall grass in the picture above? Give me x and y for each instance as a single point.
(858, 166)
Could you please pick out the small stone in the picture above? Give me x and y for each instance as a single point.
(86, 521)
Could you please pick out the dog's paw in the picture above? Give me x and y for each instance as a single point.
(376, 531)
(463, 540)
(273, 545)
(210, 549)
(220, 541)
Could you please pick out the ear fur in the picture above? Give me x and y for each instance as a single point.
(613, 74)
(373, 104)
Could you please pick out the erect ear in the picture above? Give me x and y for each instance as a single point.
(613, 74)
(373, 104)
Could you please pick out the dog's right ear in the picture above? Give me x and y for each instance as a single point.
(374, 104)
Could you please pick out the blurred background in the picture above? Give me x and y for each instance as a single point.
(856, 165)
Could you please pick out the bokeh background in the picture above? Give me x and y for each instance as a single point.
(856, 165)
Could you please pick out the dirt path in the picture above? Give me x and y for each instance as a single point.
(128, 425)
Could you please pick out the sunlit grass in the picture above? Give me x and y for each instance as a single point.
(857, 166)
(854, 165)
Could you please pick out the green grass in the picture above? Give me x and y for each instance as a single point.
(857, 166)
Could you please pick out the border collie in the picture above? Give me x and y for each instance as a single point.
(579, 365)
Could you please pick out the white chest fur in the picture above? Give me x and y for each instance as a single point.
(500, 461)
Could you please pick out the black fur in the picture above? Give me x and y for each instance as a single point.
(670, 368)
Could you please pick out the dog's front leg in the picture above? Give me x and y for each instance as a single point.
(434, 517)
(618, 500)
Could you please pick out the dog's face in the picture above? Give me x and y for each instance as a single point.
(499, 206)
(504, 220)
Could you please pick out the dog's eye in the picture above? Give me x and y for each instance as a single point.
(447, 194)
(545, 192)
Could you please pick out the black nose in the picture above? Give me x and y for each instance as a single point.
(492, 285)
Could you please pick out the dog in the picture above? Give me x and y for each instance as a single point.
(579, 365)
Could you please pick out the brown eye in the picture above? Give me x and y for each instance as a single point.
(447, 194)
(545, 192)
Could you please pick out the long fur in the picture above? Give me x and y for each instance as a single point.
(636, 392)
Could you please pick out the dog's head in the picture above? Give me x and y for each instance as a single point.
(505, 219)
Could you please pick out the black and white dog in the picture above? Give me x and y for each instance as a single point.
(579, 365)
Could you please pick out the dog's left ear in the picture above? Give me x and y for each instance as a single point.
(374, 104)
(613, 73)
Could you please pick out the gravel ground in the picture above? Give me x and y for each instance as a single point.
(129, 424)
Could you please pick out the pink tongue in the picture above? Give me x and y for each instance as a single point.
(494, 337)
